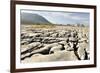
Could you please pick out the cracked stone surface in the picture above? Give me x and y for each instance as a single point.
(61, 43)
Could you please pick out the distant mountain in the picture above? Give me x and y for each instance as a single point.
(29, 18)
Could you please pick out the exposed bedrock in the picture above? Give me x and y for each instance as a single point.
(39, 45)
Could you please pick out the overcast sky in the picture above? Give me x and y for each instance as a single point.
(59, 17)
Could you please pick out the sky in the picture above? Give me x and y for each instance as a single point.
(62, 17)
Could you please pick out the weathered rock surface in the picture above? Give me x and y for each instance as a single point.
(43, 45)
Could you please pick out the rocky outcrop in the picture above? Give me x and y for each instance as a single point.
(39, 45)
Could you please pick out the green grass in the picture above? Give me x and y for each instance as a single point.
(43, 26)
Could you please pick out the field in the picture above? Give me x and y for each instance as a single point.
(46, 43)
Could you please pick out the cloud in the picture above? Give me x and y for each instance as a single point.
(75, 18)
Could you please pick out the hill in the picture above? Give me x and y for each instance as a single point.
(30, 18)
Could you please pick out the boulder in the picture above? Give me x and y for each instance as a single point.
(57, 56)
(55, 49)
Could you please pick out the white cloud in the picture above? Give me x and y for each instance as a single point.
(75, 17)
